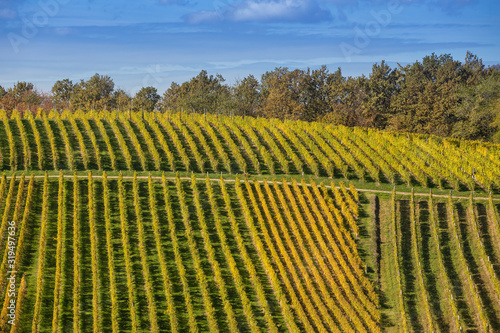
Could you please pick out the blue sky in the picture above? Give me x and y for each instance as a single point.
(155, 42)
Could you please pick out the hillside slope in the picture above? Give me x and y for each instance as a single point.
(176, 222)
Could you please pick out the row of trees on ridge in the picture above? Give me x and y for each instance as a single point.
(438, 95)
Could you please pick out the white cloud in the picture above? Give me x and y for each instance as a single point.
(343, 2)
(62, 31)
(264, 11)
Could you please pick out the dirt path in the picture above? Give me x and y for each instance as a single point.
(270, 181)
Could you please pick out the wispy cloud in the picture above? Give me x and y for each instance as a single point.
(453, 7)
(448, 6)
(343, 2)
(7, 9)
(263, 11)
(7, 13)
(175, 2)
(177, 38)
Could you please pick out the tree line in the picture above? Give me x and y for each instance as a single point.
(438, 95)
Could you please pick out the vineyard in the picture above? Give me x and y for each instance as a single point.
(219, 144)
(169, 222)
(439, 262)
(138, 258)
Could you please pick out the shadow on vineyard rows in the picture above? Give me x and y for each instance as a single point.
(459, 288)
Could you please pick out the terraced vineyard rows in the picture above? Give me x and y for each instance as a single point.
(176, 142)
(240, 253)
(137, 257)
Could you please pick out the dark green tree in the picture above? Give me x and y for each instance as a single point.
(203, 93)
(146, 99)
(426, 96)
(346, 98)
(336, 88)
(473, 70)
(315, 93)
(478, 111)
(380, 88)
(207, 93)
(406, 105)
(495, 104)
(246, 96)
(172, 99)
(62, 91)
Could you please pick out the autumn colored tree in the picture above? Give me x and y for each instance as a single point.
(281, 91)
(22, 96)
(121, 100)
